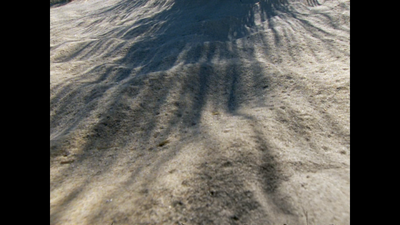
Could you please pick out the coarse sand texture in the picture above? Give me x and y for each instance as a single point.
(200, 112)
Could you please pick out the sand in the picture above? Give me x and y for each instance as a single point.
(200, 112)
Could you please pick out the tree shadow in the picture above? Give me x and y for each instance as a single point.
(58, 3)
(167, 72)
(313, 2)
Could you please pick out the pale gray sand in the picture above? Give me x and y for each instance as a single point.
(199, 112)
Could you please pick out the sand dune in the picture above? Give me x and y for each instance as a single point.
(200, 112)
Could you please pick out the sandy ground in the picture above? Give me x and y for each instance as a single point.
(200, 112)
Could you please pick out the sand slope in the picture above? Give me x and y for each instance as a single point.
(199, 112)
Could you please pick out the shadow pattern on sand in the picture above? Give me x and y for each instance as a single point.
(161, 87)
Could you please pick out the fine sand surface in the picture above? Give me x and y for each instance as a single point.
(200, 112)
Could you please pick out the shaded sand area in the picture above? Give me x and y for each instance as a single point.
(200, 112)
